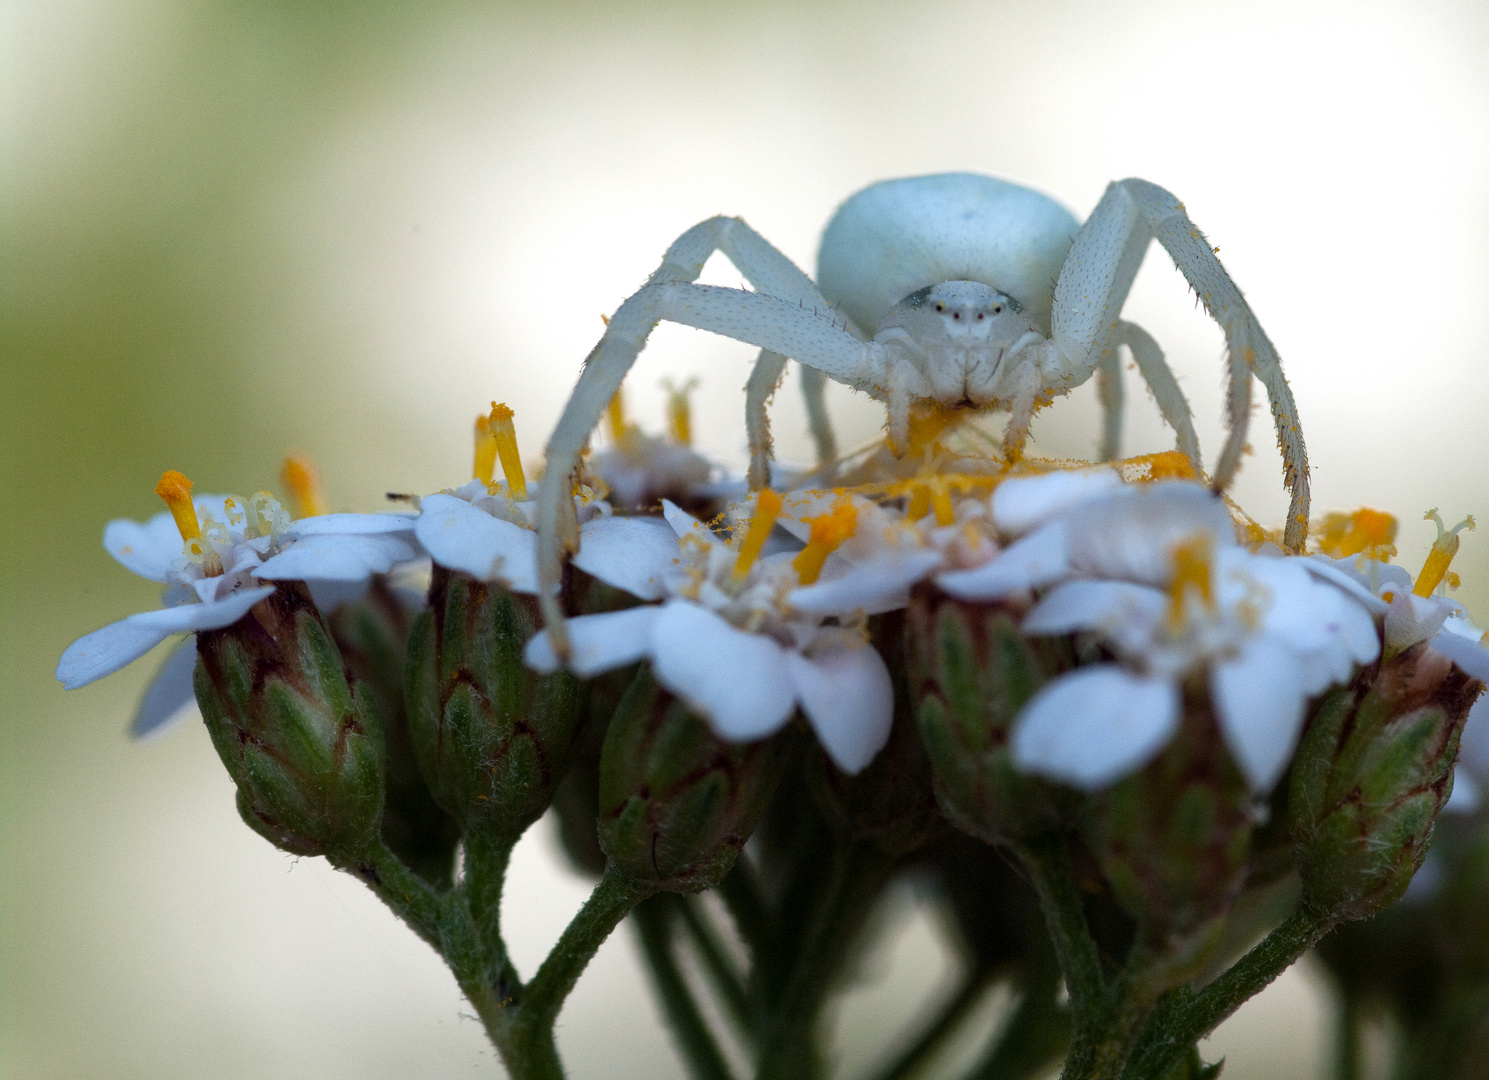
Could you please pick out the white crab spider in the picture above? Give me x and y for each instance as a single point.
(955, 271)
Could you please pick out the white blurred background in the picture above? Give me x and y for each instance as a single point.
(234, 228)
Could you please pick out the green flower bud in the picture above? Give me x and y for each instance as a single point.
(371, 634)
(1173, 841)
(492, 738)
(677, 803)
(971, 672)
(889, 805)
(305, 752)
(1373, 770)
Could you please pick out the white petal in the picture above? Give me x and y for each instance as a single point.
(146, 547)
(351, 524)
(1024, 502)
(1346, 575)
(598, 643)
(1036, 560)
(631, 553)
(685, 524)
(169, 694)
(461, 537)
(871, 587)
(1468, 655)
(849, 701)
(1131, 535)
(1412, 618)
(1126, 612)
(738, 682)
(106, 650)
(1095, 725)
(1259, 699)
(338, 557)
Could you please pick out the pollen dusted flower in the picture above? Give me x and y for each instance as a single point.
(218, 556)
(1156, 574)
(736, 629)
(641, 470)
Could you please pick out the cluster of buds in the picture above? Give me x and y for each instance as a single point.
(1106, 677)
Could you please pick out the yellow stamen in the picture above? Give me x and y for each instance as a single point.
(767, 509)
(175, 489)
(485, 463)
(304, 483)
(920, 502)
(679, 411)
(1370, 531)
(928, 419)
(616, 410)
(504, 435)
(1192, 558)
(1441, 555)
(828, 533)
(941, 504)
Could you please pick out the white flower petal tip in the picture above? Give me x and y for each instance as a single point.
(170, 695)
(1091, 727)
(685, 524)
(1468, 655)
(872, 587)
(1342, 573)
(631, 553)
(736, 681)
(461, 537)
(1260, 699)
(146, 547)
(1038, 559)
(351, 525)
(848, 699)
(110, 648)
(1023, 502)
(339, 557)
(597, 643)
(1131, 533)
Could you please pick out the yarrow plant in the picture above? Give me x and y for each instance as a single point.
(1142, 752)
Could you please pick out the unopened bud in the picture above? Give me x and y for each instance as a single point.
(371, 634)
(1173, 841)
(493, 738)
(305, 752)
(677, 803)
(1372, 772)
(970, 673)
(890, 804)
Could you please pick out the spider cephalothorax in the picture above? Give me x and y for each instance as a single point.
(981, 294)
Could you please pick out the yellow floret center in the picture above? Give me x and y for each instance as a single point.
(1441, 555)
(175, 489)
(762, 521)
(304, 484)
(1192, 561)
(829, 531)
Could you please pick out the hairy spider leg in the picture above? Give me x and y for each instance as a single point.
(605, 368)
(1095, 281)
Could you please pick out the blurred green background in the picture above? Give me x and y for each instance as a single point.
(238, 228)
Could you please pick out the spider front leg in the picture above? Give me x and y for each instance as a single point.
(768, 322)
(1095, 281)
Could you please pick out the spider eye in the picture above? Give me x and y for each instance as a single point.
(979, 316)
(940, 307)
(997, 309)
(956, 314)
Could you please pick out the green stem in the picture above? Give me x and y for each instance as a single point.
(1183, 1017)
(1347, 1038)
(1031, 1041)
(920, 1052)
(653, 923)
(1048, 864)
(486, 860)
(788, 1047)
(428, 912)
(718, 964)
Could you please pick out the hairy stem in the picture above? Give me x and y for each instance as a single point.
(1183, 1017)
(1048, 866)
